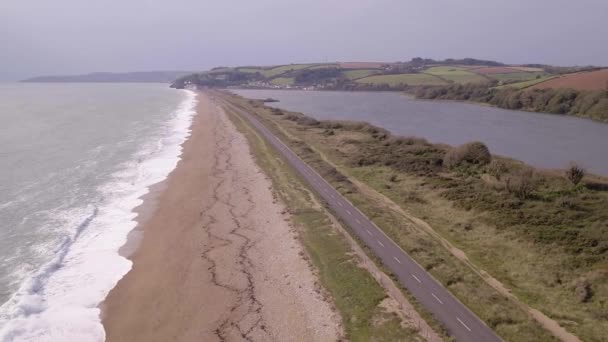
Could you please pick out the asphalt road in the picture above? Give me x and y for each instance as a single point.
(461, 323)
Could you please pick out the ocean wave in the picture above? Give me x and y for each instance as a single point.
(60, 301)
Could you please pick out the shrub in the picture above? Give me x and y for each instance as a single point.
(521, 184)
(473, 153)
(566, 202)
(307, 121)
(575, 173)
(583, 291)
(497, 168)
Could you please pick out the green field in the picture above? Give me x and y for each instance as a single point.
(250, 70)
(455, 74)
(358, 73)
(282, 81)
(284, 68)
(324, 66)
(526, 84)
(517, 76)
(409, 79)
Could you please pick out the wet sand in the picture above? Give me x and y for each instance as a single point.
(217, 259)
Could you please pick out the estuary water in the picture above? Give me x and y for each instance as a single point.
(74, 161)
(542, 140)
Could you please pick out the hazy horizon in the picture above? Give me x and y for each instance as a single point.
(73, 37)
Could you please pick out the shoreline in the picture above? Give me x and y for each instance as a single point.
(199, 234)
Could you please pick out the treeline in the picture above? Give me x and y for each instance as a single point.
(591, 104)
(314, 76)
(229, 78)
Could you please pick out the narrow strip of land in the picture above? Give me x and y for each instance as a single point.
(218, 260)
(461, 323)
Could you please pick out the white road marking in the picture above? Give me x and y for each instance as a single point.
(359, 222)
(397, 259)
(349, 213)
(464, 325)
(380, 243)
(368, 232)
(418, 280)
(439, 300)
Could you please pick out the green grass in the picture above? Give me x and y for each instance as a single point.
(358, 73)
(455, 74)
(409, 79)
(526, 84)
(284, 68)
(355, 293)
(517, 76)
(282, 81)
(220, 70)
(324, 66)
(251, 70)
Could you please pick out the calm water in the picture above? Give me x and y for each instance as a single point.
(75, 158)
(543, 140)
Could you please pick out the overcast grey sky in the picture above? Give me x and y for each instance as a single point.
(76, 36)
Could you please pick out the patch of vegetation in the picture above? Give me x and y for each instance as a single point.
(455, 74)
(285, 68)
(518, 77)
(473, 153)
(526, 84)
(282, 81)
(591, 104)
(356, 74)
(402, 79)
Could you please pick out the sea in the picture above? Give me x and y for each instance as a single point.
(75, 160)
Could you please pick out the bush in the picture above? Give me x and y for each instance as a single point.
(566, 202)
(473, 153)
(583, 291)
(307, 121)
(521, 184)
(575, 173)
(497, 168)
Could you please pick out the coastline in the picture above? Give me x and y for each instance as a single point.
(199, 234)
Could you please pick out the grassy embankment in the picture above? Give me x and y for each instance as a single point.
(546, 240)
(357, 296)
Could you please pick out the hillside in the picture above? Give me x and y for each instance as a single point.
(380, 76)
(579, 91)
(105, 77)
(587, 80)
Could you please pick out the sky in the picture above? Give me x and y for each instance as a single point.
(40, 37)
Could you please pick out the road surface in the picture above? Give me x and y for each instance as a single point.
(461, 323)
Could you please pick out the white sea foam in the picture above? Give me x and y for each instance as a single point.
(60, 301)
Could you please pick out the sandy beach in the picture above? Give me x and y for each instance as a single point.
(217, 259)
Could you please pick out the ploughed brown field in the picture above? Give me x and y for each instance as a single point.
(590, 80)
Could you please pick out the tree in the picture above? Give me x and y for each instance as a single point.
(575, 173)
